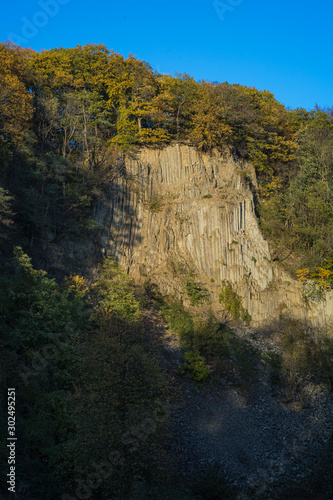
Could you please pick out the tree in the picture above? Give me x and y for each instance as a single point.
(209, 127)
(174, 101)
(15, 99)
(119, 407)
(299, 219)
(6, 213)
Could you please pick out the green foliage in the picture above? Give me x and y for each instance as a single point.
(6, 213)
(226, 353)
(215, 343)
(196, 366)
(89, 387)
(274, 362)
(114, 294)
(305, 356)
(195, 292)
(298, 217)
(207, 196)
(36, 309)
(39, 320)
(154, 204)
(232, 302)
(178, 318)
(120, 406)
(312, 292)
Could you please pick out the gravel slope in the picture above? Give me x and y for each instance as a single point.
(260, 443)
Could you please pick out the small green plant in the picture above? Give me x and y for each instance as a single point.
(195, 292)
(234, 242)
(154, 204)
(196, 366)
(177, 267)
(183, 218)
(245, 315)
(206, 196)
(254, 260)
(212, 280)
(282, 307)
(178, 319)
(232, 303)
(312, 292)
(274, 362)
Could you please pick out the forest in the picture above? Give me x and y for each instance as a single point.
(93, 415)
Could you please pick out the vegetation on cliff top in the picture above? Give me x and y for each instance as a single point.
(68, 115)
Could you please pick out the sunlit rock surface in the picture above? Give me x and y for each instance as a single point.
(178, 209)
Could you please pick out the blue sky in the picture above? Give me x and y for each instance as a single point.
(282, 46)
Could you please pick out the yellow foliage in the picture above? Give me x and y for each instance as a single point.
(77, 285)
(322, 277)
(153, 135)
(303, 274)
(271, 188)
(15, 100)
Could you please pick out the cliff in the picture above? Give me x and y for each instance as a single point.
(178, 212)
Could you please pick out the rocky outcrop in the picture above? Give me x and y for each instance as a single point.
(179, 212)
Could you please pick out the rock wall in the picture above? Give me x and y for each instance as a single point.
(177, 210)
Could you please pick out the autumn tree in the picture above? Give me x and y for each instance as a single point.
(175, 100)
(208, 120)
(299, 218)
(15, 99)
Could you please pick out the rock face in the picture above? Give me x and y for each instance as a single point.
(178, 213)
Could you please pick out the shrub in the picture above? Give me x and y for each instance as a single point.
(114, 293)
(232, 303)
(196, 366)
(226, 353)
(154, 204)
(179, 320)
(305, 356)
(195, 292)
